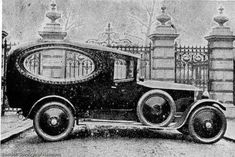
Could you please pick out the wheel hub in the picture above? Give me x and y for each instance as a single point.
(208, 125)
(157, 110)
(53, 121)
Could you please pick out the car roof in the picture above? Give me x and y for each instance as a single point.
(77, 44)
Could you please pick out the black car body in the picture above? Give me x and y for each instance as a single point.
(56, 83)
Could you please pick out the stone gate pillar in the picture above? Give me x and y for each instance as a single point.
(221, 68)
(163, 55)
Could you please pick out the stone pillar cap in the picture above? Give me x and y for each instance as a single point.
(220, 32)
(220, 37)
(53, 30)
(163, 31)
(156, 36)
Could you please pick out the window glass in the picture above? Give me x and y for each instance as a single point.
(123, 69)
(131, 69)
(59, 64)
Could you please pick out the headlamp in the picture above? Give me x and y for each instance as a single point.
(205, 95)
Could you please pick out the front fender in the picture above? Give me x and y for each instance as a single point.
(196, 104)
(209, 102)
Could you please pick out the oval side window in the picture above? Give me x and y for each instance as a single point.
(59, 65)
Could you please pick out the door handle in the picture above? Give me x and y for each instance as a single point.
(113, 87)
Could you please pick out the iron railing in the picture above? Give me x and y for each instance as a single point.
(6, 46)
(145, 61)
(192, 66)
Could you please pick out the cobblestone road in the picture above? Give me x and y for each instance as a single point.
(131, 144)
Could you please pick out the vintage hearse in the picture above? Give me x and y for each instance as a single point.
(58, 83)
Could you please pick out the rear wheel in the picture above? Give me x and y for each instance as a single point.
(207, 124)
(156, 108)
(54, 121)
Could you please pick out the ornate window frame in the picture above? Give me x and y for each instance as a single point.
(24, 53)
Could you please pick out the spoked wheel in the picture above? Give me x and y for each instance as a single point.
(156, 108)
(207, 124)
(54, 121)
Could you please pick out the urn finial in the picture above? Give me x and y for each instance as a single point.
(163, 18)
(53, 15)
(53, 29)
(53, 5)
(221, 19)
(221, 9)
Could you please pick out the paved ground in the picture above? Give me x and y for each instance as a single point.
(11, 126)
(124, 143)
(230, 133)
(230, 115)
(103, 139)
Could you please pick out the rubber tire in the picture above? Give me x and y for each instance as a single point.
(204, 140)
(152, 93)
(63, 135)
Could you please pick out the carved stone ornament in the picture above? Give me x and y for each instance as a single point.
(163, 18)
(221, 19)
(53, 30)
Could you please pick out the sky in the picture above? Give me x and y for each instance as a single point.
(22, 19)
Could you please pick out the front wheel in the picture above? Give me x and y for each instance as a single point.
(207, 124)
(53, 121)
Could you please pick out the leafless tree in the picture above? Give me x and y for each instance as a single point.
(71, 16)
(147, 21)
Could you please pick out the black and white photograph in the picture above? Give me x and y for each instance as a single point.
(117, 78)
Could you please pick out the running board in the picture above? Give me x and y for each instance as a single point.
(126, 123)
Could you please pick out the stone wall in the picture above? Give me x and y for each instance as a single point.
(221, 56)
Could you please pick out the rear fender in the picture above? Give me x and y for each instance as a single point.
(196, 104)
(41, 101)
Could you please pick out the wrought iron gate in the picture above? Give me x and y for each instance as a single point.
(3, 70)
(145, 52)
(192, 66)
(5, 49)
(234, 80)
(112, 39)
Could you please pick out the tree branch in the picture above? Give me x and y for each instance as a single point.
(138, 20)
(148, 11)
(67, 18)
(153, 6)
(73, 25)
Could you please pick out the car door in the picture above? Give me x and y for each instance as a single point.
(124, 89)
